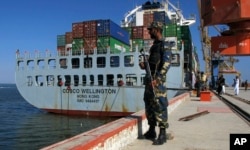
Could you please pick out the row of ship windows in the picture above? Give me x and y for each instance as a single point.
(84, 80)
(88, 62)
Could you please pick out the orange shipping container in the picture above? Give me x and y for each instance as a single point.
(90, 43)
(147, 19)
(68, 37)
(140, 32)
(77, 30)
(89, 29)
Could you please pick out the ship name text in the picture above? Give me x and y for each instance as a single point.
(89, 95)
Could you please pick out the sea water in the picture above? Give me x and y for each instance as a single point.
(23, 126)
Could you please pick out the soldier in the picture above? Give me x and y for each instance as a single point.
(155, 95)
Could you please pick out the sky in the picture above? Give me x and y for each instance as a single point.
(30, 25)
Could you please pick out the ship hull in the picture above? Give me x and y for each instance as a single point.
(89, 100)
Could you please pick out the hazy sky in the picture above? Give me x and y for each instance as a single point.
(31, 25)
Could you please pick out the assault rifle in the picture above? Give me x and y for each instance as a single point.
(147, 67)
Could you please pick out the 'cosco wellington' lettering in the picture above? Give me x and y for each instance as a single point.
(90, 91)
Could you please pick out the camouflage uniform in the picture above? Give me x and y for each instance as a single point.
(156, 102)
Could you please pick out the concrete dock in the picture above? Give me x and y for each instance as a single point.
(210, 131)
(207, 132)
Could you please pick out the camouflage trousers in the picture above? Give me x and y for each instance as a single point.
(156, 104)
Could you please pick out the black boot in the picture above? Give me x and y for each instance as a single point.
(150, 134)
(162, 138)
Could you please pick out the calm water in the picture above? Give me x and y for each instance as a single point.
(23, 126)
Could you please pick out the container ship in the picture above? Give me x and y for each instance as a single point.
(95, 71)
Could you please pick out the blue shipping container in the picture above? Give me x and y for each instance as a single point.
(161, 16)
(109, 28)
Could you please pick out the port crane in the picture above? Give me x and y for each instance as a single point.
(219, 51)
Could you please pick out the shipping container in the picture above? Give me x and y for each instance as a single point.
(170, 30)
(109, 28)
(115, 46)
(137, 44)
(77, 45)
(61, 40)
(68, 37)
(129, 30)
(89, 28)
(61, 48)
(89, 44)
(161, 16)
(185, 33)
(77, 30)
(140, 32)
(148, 18)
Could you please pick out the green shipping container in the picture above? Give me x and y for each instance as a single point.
(61, 40)
(137, 43)
(77, 45)
(170, 30)
(104, 42)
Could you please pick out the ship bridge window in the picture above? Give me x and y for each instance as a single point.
(114, 61)
(41, 64)
(29, 80)
(131, 79)
(50, 80)
(129, 61)
(31, 64)
(84, 80)
(100, 79)
(110, 79)
(75, 62)
(63, 63)
(92, 79)
(39, 80)
(20, 65)
(67, 80)
(88, 62)
(76, 80)
(101, 61)
(52, 63)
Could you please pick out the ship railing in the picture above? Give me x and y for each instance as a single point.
(93, 51)
(36, 54)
